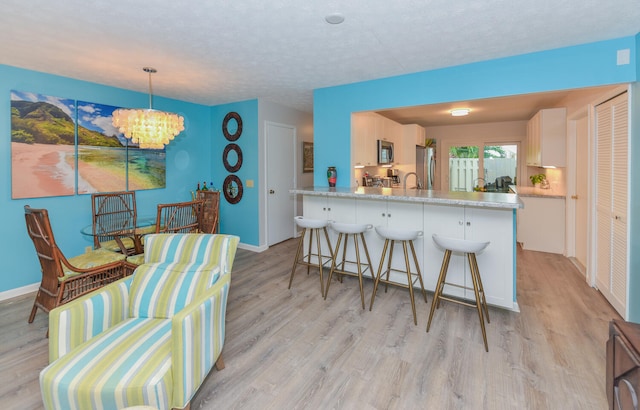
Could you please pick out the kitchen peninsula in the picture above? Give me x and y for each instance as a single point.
(477, 216)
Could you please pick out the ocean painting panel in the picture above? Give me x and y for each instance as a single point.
(42, 145)
(146, 168)
(102, 150)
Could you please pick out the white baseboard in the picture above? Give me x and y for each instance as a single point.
(12, 293)
(253, 248)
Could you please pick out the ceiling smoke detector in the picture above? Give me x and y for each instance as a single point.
(334, 18)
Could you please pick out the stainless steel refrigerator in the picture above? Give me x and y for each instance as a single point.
(426, 165)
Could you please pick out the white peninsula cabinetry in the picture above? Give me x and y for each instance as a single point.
(496, 262)
(541, 224)
(331, 209)
(484, 217)
(546, 138)
(392, 214)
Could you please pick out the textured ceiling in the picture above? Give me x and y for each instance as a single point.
(214, 52)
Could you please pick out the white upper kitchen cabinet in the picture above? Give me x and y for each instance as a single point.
(546, 138)
(364, 151)
(366, 129)
(412, 135)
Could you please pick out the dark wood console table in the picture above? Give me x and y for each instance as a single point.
(623, 365)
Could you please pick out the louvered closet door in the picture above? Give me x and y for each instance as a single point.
(603, 197)
(611, 200)
(620, 198)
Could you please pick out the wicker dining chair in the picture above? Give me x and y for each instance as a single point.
(66, 279)
(179, 217)
(114, 221)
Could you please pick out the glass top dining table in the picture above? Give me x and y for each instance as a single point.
(144, 226)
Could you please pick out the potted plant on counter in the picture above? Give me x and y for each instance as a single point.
(537, 179)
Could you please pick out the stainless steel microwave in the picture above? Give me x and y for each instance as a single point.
(385, 152)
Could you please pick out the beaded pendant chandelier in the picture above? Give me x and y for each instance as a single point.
(149, 128)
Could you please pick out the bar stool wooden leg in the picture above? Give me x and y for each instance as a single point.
(386, 284)
(442, 277)
(375, 284)
(409, 281)
(415, 260)
(481, 288)
(366, 251)
(334, 263)
(355, 243)
(479, 304)
(298, 251)
(320, 258)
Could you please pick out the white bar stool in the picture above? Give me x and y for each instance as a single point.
(355, 230)
(391, 236)
(470, 248)
(313, 226)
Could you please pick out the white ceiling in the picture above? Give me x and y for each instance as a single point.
(214, 52)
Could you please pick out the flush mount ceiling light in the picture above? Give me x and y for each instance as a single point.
(460, 112)
(334, 18)
(150, 129)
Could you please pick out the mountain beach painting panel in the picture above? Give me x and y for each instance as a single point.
(42, 145)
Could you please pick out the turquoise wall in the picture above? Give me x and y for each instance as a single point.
(240, 219)
(580, 66)
(572, 67)
(189, 160)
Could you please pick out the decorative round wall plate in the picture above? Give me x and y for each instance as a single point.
(225, 126)
(225, 157)
(232, 189)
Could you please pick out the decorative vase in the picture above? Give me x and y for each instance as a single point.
(332, 176)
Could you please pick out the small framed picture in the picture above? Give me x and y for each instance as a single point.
(307, 157)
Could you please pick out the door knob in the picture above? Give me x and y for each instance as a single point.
(574, 196)
(271, 191)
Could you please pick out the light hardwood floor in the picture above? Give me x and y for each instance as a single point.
(291, 349)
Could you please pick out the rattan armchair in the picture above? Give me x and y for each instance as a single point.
(66, 279)
(114, 222)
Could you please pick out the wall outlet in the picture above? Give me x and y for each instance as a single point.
(87, 249)
(249, 183)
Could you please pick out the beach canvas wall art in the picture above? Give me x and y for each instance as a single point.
(52, 137)
(42, 145)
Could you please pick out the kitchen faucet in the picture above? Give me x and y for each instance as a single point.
(418, 183)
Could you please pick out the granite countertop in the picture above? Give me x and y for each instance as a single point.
(479, 199)
(538, 192)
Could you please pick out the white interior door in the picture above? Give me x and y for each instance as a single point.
(582, 180)
(280, 141)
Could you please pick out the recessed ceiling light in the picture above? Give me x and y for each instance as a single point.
(460, 112)
(334, 18)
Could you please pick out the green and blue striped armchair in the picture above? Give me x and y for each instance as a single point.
(149, 339)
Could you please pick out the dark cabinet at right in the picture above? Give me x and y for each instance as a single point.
(623, 365)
